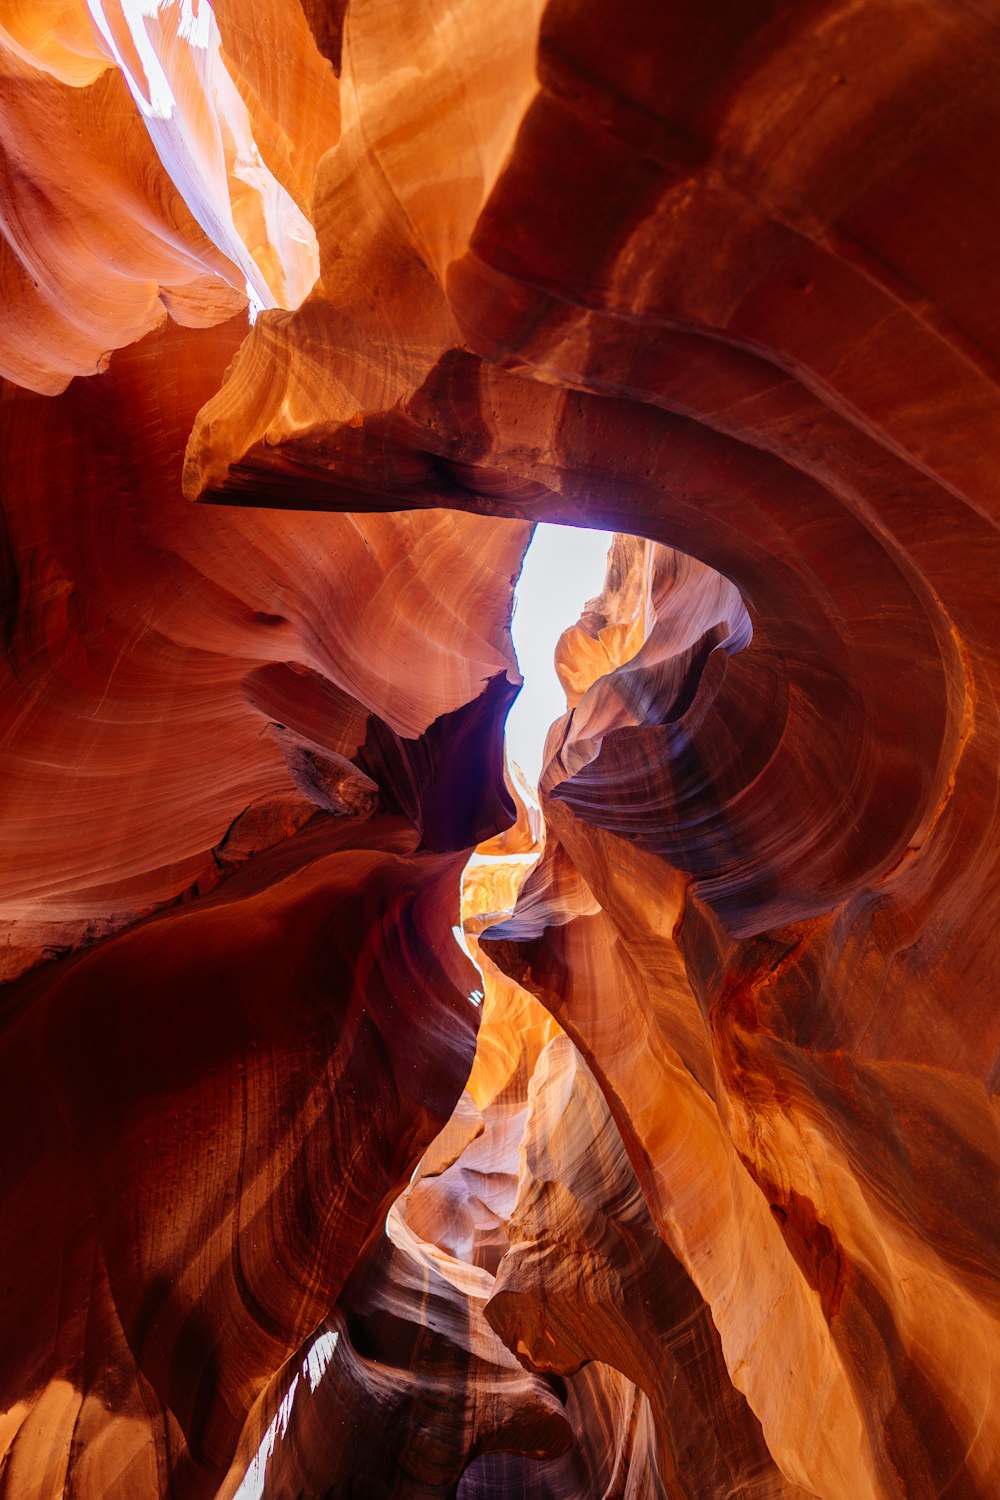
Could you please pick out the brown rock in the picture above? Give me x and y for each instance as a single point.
(724, 1167)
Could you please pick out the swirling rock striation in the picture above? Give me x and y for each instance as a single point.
(711, 1209)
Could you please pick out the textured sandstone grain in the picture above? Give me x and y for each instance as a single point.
(691, 1189)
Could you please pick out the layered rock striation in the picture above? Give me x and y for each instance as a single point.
(657, 1153)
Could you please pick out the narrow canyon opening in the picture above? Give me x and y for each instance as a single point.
(564, 568)
(612, 631)
(688, 1184)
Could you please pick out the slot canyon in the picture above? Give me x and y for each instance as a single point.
(376, 1122)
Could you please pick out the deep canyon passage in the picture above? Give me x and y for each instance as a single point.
(377, 1123)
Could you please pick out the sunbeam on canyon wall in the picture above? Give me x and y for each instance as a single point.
(379, 1119)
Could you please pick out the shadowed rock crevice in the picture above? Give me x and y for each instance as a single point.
(372, 1125)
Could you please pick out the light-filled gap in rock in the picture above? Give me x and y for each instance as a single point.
(564, 567)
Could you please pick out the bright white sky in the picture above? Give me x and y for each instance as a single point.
(565, 567)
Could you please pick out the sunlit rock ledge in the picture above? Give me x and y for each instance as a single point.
(654, 1152)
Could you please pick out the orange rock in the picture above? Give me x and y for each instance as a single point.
(724, 1167)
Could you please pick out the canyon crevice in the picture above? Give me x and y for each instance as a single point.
(655, 1152)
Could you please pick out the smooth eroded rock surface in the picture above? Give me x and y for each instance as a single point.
(656, 1154)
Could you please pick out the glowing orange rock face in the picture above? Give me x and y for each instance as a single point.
(189, 693)
(173, 173)
(692, 1189)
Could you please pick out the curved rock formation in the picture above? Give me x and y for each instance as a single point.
(173, 175)
(711, 1208)
(182, 682)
